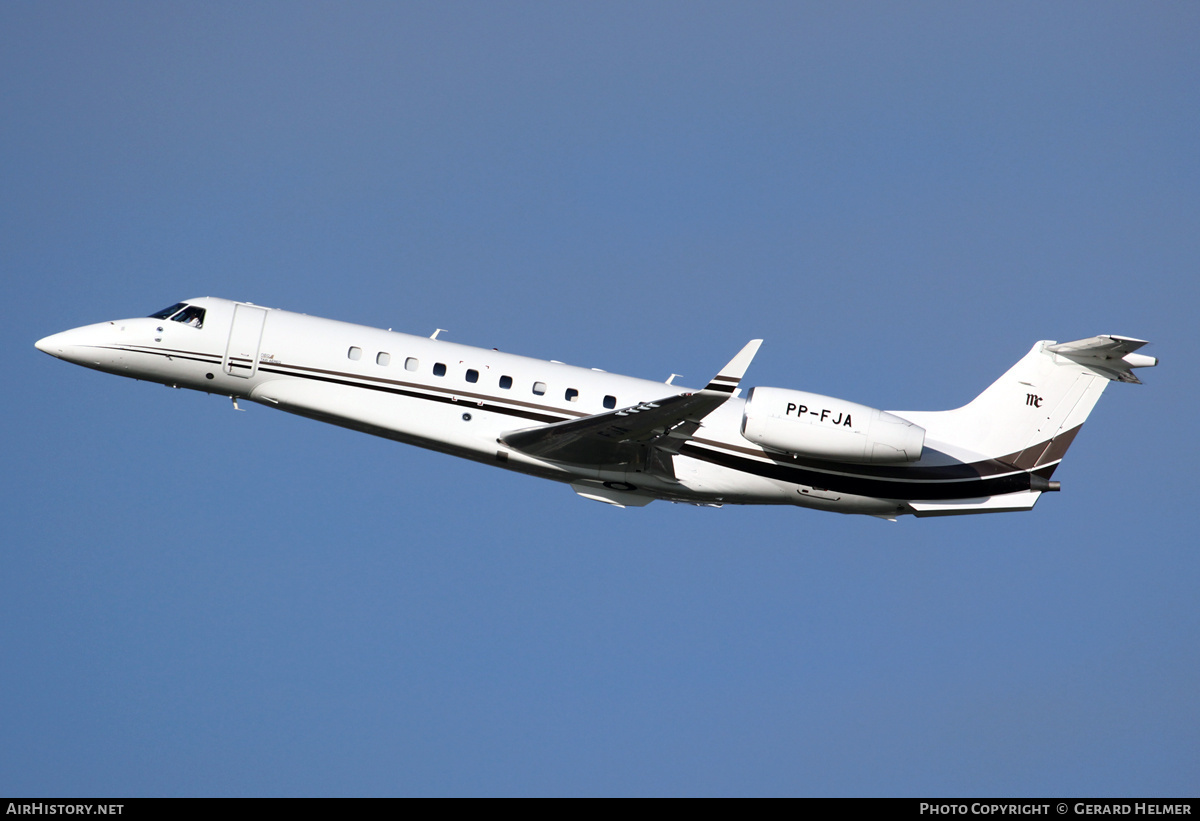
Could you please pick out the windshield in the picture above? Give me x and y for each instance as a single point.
(191, 315)
(184, 313)
(166, 312)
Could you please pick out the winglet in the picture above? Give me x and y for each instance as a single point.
(727, 379)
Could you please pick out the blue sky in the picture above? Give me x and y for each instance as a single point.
(899, 198)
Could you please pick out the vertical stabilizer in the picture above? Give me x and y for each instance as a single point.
(1029, 416)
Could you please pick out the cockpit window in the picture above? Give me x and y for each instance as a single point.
(190, 315)
(166, 312)
(182, 312)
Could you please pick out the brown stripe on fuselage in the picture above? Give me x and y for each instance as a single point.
(1042, 453)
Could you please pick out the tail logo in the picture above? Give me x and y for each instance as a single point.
(1033, 400)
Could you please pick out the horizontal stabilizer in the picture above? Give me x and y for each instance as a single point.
(1005, 503)
(1107, 355)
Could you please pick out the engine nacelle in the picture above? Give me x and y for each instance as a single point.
(809, 424)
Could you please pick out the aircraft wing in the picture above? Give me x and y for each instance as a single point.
(622, 436)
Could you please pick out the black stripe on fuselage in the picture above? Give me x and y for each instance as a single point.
(478, 398)
(391, 386)
(862, 485)
(453, 399)
(988, 477)
(169, 353)
(1052, 451)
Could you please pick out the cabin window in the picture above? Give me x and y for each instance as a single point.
(539, 388)
(506, 382)
(354, 353)
(383, 358)
(571, 395)
(411, 363)
(610, 402)
(439, 369)
(472, 375)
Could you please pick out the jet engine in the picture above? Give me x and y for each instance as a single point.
(809, 424)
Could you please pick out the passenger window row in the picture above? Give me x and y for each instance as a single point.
(439, 369)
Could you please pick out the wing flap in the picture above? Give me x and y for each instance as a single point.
(614, 437)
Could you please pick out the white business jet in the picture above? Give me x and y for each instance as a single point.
(622, 440)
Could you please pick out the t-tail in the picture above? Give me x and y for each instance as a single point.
(1028, 417)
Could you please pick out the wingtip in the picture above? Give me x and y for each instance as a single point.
(728, 378)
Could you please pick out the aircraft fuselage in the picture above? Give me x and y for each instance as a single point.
(465, 401)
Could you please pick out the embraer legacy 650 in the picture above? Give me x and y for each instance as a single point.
(622, 440)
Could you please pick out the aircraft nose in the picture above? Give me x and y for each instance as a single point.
(55, 344)
(74, 345)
